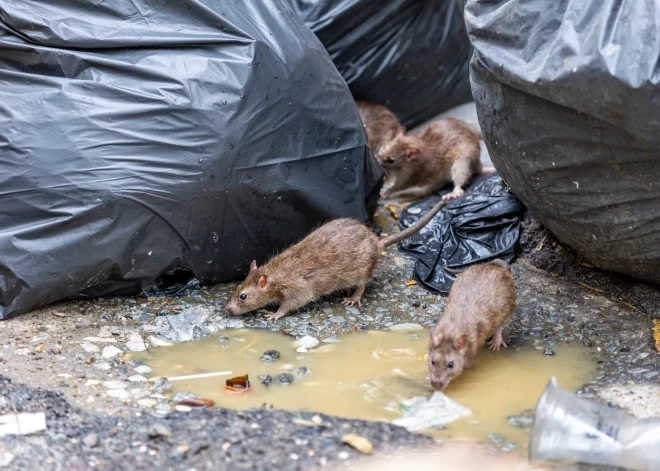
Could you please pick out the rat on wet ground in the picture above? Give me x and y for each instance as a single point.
(337, 256)
(417, 166)
(380, 125)
(481, 301)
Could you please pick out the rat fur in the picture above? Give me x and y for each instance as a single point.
(337, 256)
(380, 125)
(481, 301)
(417, 166)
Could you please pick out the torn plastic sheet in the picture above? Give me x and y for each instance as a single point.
(571, 428)
(438, 410)
(479, 227)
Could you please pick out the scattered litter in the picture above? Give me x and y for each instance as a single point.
(361, 444)
(59, 314)
(548, 351)
(411, 283)
(196, 402)
(656, 333)
(238, 385)
(110, 352)
(571, 428)
(306, 342)
(181, 327)
(40, 348)
(265, 379)
(301, 372)
(405, 327)
(201, 375)
(422, 413)
(523, 420)
(393, 212)
(24, 423)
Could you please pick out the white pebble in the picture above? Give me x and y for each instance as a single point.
(142, 369)
(89, 347)
(147, 402)
(137, 379)
(118, 393)
(114, 384)
(110, 352)
(307, 342)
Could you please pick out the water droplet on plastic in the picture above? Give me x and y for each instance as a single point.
(224, 102)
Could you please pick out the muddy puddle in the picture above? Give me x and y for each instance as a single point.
(367, 375)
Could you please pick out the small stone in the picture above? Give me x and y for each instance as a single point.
(343, 455)
(234, 324)
(294, 457)
(92, 382)
(110, 352)
(352, 310)
(104, 366)
(137, 379)
(524, 420)
(182, 408)
(89, 360)
(100, 340)
(414, 211)
(405, 327)
(163, 408)
(161, 385)
(331, 340)
(548, 351)
(6, 457)
(285, 379)
(91, 440)
(147, 402)
(508, 446)
(135, 343)
(317, 419)
(265, 379)
(301, 350)
(118, 393)
(115, 384)
(270, 356)
(158, 430)
(90, 347)
(337, 319)
(496, 438)
(358, 442)
(139, 393)
(301, 372)
(55, 350)
(182, 449)
(142, 369)
(158, 342)
(182, 396)
(223, 339)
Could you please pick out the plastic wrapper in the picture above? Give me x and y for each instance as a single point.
(566, 98)
(479, 227)
(411, 56)
(143, 137)
(570, 428)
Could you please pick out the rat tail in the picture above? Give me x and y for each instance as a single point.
(421, 222)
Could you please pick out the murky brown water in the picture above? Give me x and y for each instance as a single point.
(367, 374)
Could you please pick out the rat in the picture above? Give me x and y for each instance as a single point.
(339, 255)
(380, 125)
(417, 166)
(481, 301)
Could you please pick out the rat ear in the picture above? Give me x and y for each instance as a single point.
(412, 153)
(262, 281)
(253, 265)
(460, 342)
(436, 338)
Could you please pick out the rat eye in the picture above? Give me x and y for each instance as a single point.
(390, 160)
(243, 297)
(450, 364)
(432, 362)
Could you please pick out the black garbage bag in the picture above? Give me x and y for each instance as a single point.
(479, 227)
(140, 136)
(566, 95)
(412, 56)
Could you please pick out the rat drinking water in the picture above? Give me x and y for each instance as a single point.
(380, 124)
(339, 255)
(481, 301)
(417, 166)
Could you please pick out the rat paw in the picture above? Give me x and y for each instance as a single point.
(351, 302)
(273, 316)
(453, 195)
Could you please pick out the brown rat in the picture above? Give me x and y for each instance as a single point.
(339, 255)
(481, 301)
(380, 125)
(417, 166)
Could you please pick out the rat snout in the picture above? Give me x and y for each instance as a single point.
(229, 309)
(437, 385)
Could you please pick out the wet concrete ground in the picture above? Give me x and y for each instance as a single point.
(76, 348)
